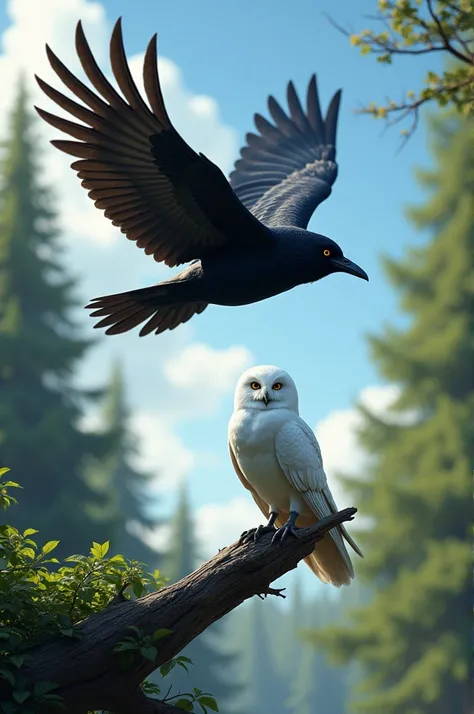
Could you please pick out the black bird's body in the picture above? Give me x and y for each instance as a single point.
(247, 238)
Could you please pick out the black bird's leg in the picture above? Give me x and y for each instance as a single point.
(286, 529)
(255, 533)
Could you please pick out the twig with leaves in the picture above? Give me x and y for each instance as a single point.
(420, 27)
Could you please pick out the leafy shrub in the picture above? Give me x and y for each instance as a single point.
(41, 598)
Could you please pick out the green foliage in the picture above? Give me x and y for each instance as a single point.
(139, 645)
(416, 27)
(187, 700)
(39, 350)
(6, 499)
(40, 599)
(414, 638)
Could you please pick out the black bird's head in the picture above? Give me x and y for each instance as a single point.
(330, 258)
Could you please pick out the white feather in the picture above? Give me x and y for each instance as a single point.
(277, 457)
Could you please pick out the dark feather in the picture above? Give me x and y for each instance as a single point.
(177, 193)
(288, 169)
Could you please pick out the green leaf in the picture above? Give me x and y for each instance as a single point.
(75, 559)
(9, 676)
(8, 707)
(138, 588)
(42, 688)
(17, 660)
(21, 696)
(55, 699)
(209, 702)
(126, 645)
(150, 687)
(49, 546)
(68, 632)
(149, 653)
(28, 553)
(104, 548)
(87, 594)
(160, 633)
(4, 470)
(136, 630)
(184, 704)
(95, 550)
(166, 668)
(30, 531)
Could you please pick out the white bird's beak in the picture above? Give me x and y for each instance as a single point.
(265, 398)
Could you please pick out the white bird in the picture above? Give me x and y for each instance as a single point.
(277, 457)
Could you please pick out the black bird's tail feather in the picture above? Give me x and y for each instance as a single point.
(159, 305)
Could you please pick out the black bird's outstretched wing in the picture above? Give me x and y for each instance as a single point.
(176, 204)
(288, 169)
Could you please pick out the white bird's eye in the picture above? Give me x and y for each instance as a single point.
(277, 386)
(255, 386)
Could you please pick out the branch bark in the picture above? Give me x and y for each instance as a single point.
(89, 675)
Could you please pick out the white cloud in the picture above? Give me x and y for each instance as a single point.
(162, 451)
(217, 525)
(194, 380)
(337, 434)
(220, 524)
(205, 374)
(169, 396)
(157, 538)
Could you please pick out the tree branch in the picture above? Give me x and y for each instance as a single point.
(138, 703)
(91, 676)
(390, 46)
(448, 46)
(406, 109)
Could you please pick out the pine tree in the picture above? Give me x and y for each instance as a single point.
(122, 485)
(268, 686)
(39, 349)
(414, 637)
(181, 558)
(213, 666)
(318, 687)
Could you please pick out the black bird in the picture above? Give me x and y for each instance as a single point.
(247, 238)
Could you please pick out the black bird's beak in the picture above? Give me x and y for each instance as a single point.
(344, 265)
(265, 398)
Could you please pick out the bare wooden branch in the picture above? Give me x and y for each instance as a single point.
(91, 676)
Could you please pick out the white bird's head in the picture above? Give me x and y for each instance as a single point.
(266, 387)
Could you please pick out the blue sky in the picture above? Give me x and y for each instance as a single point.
(237, 53)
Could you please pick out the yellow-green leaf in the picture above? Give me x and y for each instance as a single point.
(49, 546)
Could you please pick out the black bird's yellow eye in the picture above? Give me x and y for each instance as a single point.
(255, 386)
(277, 386)
(326, 252)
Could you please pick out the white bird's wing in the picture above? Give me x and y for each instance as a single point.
(300, 459)
(263, 505)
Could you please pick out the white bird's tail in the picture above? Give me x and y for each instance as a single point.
(329, 560)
